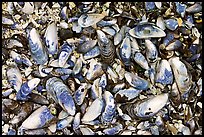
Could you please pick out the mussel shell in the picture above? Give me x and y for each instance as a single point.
(164, 74)
(147, 30)
(64, 54)
(86, 46)
(51, 38)
(86, 20)
(113, 130)
(181, 74)
(94, 110)
(94, 71)
(36, 47)
(151, 51)
(106, 47)
(127, 94)
(141, 60)
(42, 116)
(80, 94)
(125, 51)
(92, 53)
(61, 94)
(148, 107)
(194, 8)
(109, 112)
(136, 81)
(14, 77)
(171, 24)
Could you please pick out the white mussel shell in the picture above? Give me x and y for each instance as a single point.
(51, 38)
(38, 118)
(94, 110)
(151, 106)
(182, 78)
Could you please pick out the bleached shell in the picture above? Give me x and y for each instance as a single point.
(78, 66)
(160, 23)
(147, 30)
(182, 78)
(117, 38)
(38, 118)
(10, 8)
(87, 20)
(63, 114)
(51, 39)
(86, 131)
(33, 83)
(28, 7)
(112, 73)
(55, 63)
(158, 4)
(134, 45)
(164, 74)
(76, 121)
(76, 27)
(151, 106)
(94, 110)
(15, 56)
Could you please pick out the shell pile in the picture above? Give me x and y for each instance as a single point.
(101, 68)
